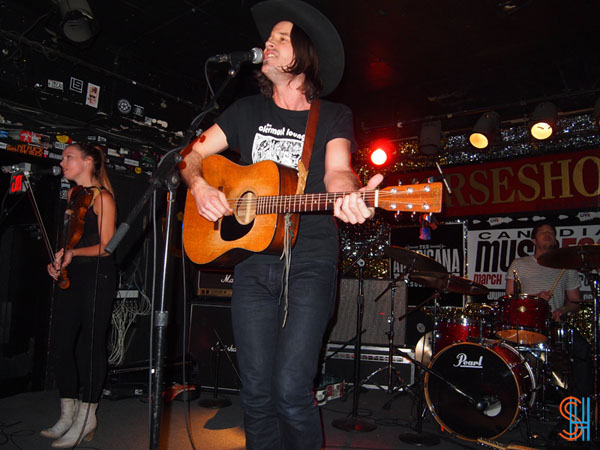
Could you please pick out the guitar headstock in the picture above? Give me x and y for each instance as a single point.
(426, 197)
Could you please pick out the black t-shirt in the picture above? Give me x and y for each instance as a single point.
(260, 130)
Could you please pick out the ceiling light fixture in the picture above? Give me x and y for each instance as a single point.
(78, 23)
(430, 139)
(486, 130)
(543, 121)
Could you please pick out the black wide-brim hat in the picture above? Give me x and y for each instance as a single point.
(319, 29)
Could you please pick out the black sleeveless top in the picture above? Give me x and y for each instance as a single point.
(91, 234)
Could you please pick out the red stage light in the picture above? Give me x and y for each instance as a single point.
(381, 153)
(379, 157)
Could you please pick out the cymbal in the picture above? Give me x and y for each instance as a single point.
(577, 257)
(413, 260)
(445, 282)
(424, 348)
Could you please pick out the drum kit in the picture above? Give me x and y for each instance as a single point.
(488, 365)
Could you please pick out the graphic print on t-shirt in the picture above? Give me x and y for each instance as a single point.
(282, 145)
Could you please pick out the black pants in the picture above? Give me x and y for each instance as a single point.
(81, 319)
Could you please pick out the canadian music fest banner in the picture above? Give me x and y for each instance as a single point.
(490, 251)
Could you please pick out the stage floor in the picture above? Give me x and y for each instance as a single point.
(124, 424)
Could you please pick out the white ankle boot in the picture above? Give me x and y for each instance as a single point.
(81, 428)
(68, 411)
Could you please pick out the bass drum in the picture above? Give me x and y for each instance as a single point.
(496, 376)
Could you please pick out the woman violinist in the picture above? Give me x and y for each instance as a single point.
(83, 311)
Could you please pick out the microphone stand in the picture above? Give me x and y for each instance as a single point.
(354, 423)
(170, 177)
(165, 173)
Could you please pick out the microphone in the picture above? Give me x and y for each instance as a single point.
(489, 405)
(255, 56)
(482, 404)
(443, 178)
(517, 281)
(28, 169)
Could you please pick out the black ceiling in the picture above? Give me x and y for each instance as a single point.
(406, 60)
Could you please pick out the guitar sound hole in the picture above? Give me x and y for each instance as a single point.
(232, 230)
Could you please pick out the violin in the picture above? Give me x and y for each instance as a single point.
(73, 224)
(80, 201)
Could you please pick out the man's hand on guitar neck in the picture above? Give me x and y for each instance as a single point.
(352, 208)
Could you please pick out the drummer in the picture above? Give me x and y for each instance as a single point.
(560, 287)
(544, 282)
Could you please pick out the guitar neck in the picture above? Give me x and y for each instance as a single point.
(307, 202)
(420, 198)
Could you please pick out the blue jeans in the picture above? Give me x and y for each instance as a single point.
(278, 365)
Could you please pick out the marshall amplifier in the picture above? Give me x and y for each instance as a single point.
(211, 345)
(214, 283)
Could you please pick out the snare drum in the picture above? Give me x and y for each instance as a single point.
(496, 375)
(524, 320)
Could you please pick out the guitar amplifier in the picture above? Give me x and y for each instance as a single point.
(339, 362)
(214, 283)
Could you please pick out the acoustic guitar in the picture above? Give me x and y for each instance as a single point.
(260, 196)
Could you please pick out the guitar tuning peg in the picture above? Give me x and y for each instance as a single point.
(397, 216)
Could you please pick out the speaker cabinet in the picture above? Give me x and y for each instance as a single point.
(211, 344)
(376, 314)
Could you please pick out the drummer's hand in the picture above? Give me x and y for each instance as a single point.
(557, 314)
(545, 295)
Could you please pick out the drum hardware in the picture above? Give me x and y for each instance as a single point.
(494, 405)
(353, 423)
(586, 259)
(393, 378)
(217, 402)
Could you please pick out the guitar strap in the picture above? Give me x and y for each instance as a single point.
(309, 140)
(303, 166)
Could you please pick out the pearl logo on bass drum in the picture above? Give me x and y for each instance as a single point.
(463, 361)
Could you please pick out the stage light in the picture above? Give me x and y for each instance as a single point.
(486, 130)
(543, 121)
(597, 113)
(382, 152)
(430, 139)
(78, 22)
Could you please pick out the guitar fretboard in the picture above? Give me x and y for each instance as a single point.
(305, 202)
